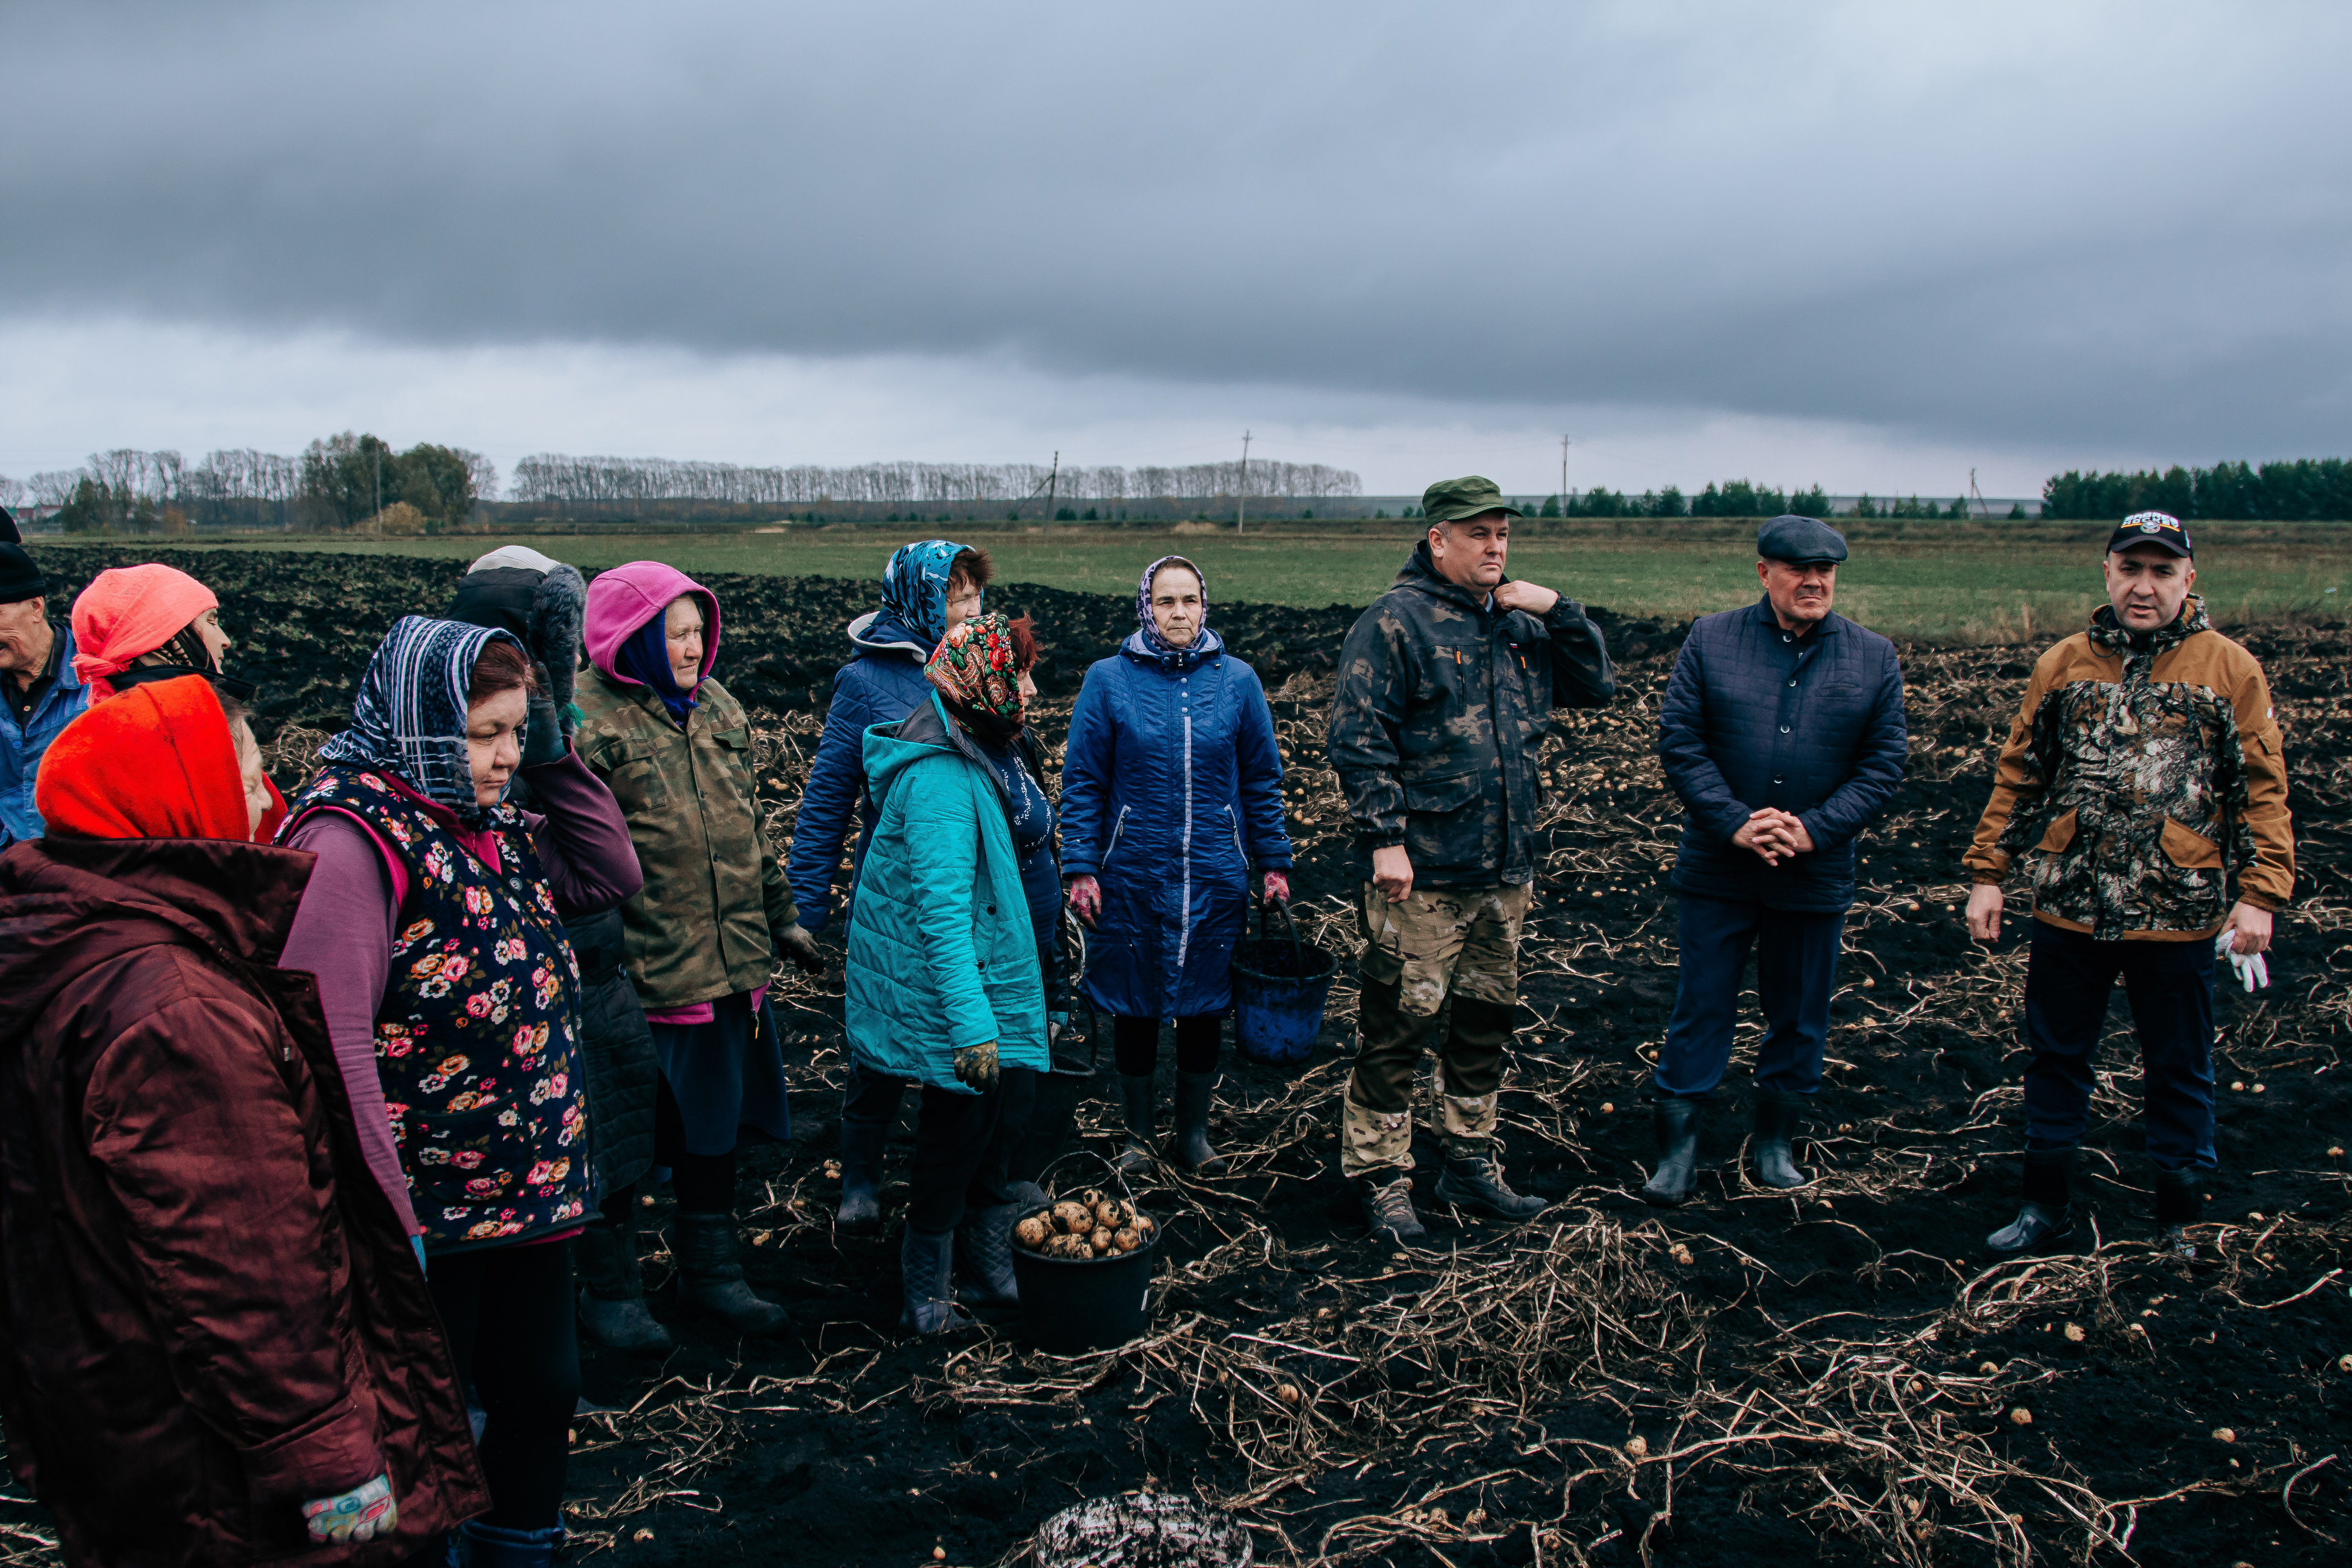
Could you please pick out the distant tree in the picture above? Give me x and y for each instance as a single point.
(1550, 506)
(1959, 507)
(437, 481)
(1814, 502)
(2017, 512)
(1670, 503)
(1863, 505)
(1067, 514)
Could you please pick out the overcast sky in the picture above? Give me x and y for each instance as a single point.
(1861, 245)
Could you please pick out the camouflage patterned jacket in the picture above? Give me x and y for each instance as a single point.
(2141, 780)
(713, 891)
(1440, 708)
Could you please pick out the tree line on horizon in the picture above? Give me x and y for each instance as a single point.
(554, 479)
(337, 482)
(2303, 490)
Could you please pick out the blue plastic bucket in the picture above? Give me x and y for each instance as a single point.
(1279, 987)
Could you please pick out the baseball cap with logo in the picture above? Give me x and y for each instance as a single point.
(2158, 528)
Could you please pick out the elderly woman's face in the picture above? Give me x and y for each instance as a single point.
(682, 625)
(1176, 605)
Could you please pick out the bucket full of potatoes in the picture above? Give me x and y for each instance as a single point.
(1084, 1264)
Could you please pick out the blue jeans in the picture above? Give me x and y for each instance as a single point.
(1796, 970)
(2170, 984)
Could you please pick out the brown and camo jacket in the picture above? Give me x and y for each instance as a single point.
(2141, 781)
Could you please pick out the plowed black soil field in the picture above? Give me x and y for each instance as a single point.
(1831, 1376)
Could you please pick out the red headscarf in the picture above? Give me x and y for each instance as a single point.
(129, 611)
(157, 761)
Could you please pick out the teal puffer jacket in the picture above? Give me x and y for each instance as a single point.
(942, 953)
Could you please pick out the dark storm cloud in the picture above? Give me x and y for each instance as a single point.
(2113, 226)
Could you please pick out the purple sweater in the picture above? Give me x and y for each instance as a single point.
(344, 930)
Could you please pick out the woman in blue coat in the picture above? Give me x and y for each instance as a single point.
(1172, 786)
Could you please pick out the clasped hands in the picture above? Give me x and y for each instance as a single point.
(1774, 835)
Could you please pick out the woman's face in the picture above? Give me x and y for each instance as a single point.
(493, 741)
(682, 625)
(257, 781)
(1176, 605)
(208, 631)
(1028, 690)
(963, 601)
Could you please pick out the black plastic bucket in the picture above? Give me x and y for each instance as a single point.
(1070, 1305)
(1279, 988)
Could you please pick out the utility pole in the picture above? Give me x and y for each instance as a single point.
(1053, 486)
(1563, 476)
(1982, 510)
(1240, 491)
(376, 452)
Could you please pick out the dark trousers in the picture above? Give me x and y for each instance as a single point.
(1796, 970)
(2170, 984)
(871, 1097)
(510, 1320)
(955, 1138)
(1136, 1043)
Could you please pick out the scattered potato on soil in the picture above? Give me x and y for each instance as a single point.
(2022, 1416)
(1637, 1447)
(2224, 1434)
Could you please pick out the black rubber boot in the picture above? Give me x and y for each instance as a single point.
(984, 1257)
(1387, 1209)
(926, 1261)
(1141, 1100)
(1675, 1121)
(1190, 1148)
(613, 1292)
(1475, 1181)
(2178, 1204)
(711, 1277)
(1777, 1116)
(2046, 1217)
(861, 1176)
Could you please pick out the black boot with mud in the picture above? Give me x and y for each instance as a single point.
(1191, 1148)
(612, 1310)
(1676, 1122)
(1475, 1181)
(862, 1143)
(711, 1277)
(1139, 1100)
(2178, 1203)
(1388, 1210)
(1778, 1116)
(984, 1257)
(2046, 1219)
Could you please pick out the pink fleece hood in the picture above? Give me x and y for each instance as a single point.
(624, 599)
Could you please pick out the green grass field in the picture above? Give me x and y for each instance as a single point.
(1956, 582)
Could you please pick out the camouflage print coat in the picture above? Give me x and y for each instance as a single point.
(2140, 780)
(1440, 708)
(714, 890)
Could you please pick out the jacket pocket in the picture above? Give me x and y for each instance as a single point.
(632, 771)
(2190, 850)
(1119, 826)
(1439, 795)
(2060, 833)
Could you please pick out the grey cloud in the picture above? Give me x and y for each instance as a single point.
(2118, 224)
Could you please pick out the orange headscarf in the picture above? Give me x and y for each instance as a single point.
(158, 762)
(129, 611)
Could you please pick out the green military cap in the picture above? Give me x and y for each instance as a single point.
(1798, 539)
(1451, 501)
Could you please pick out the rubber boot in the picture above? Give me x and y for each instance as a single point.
(711, 1277)
(613, 1292)
(1475, 1181)
(984, 1257)
(1674, 1120)
(1190, 1148)
(1387, 1209)
(928, 1261)
(1778, 1114)
(1142, 1102)
(2046, 1217)
(2177, 1206)
(861, 1176)
(480, 1546)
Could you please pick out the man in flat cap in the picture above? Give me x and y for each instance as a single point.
(2143, 773)
(1444, 693)
(40, 693)
(1783, 730)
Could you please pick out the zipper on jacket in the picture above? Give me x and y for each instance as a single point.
(1184, 909)
(1116, 826)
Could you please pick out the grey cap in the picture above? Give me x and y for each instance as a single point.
(1798, 538)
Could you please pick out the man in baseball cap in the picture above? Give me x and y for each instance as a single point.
(40, 693)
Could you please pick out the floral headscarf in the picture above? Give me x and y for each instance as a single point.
(1152, 638)
(977, 671)
(408, 719)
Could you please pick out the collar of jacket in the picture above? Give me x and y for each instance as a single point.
(929, 725)
(2108, 637)
(1204, 649)
(1420, 572)
(873, 634)
(1829, 625)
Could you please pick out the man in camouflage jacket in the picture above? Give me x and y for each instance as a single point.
(2142, 776)
(1444, 693)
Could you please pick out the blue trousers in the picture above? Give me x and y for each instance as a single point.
(2170, 984)
(1796, 970)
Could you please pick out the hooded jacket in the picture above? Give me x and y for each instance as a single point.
(210, 1311)
(714, 892)
(1438, 718)
(22, 745)
(942, 954)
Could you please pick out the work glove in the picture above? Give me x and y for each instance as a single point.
(1278, 887)
(800, 948)
(542, 735)
(1085, 898)
(2252, 973)
(975, 1067)
(358, 1514)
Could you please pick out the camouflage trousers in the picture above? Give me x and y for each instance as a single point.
(1437, 942)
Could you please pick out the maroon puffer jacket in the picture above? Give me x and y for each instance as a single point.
(210, 1311)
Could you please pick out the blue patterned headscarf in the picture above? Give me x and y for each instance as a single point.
(1152, 638)
(408, 718)
(915, 587)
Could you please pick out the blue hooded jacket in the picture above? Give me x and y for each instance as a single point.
(1171, 785)
(21, 746)
(881, 684)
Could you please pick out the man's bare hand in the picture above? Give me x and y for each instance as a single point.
(1761, 833)
(1788, 828)
(2250, 931)
(1983, 915)
(1392, 872)
(1528, 596)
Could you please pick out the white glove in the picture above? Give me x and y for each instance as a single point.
(358, 1514)
(2252, 973)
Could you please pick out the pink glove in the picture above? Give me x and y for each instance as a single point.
(1085, 898)
(1278, 887)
